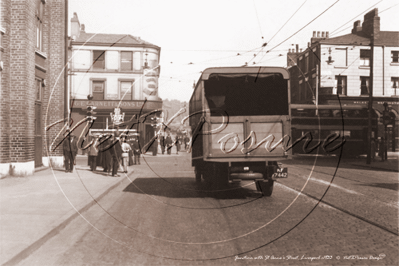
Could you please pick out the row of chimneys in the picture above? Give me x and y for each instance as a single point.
(324, 34)
(370, 27)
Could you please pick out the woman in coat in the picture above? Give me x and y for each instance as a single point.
(93, 153)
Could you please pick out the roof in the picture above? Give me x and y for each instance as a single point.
(111, 39)
(244, 70)
(388, 38)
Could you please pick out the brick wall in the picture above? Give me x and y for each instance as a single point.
(22, 64)
(53, 106)
(5, 84)
(18, 90)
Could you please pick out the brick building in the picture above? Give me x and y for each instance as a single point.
(333, 71)
(118, 70)
(32, 84)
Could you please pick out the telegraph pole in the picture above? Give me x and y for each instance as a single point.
(370, 130)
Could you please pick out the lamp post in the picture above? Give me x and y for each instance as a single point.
(370, 124)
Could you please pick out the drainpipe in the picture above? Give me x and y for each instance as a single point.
(383, 70)
(66, 89)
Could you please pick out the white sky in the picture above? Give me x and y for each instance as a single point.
(194, 35)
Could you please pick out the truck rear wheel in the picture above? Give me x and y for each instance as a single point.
(265, 187)
(198, 176)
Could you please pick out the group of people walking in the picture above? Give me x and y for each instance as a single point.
(167, 143)
(109, 154)
(115, 151)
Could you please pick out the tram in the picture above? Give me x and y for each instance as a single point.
(349, 122)
(239, 118)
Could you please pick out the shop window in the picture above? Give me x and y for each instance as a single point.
(98, 59)
(364, 85)
(126, 60)
(365, 57)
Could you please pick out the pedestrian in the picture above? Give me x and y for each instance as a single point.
(162, 143)
(131, 154)
(186, 141)
(168, 143)
(70, 147)
(382, 150)
(93, 153)
(373, 148)
(176, 142)
(116, 154)
(125, 153)
(154, 147)
(136, 151)
(106, 155)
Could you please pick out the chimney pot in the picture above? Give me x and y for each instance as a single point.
(318, 34)
(297, 47)
(322, 34)
(327, 34)
(314, 34)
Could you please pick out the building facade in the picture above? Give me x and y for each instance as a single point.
(118, 71)
(32, 49)
(332, 71)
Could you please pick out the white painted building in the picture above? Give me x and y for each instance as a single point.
(118, 70)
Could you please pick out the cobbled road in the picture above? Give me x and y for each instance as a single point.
(325, 213)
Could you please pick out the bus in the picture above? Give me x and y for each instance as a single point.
(239, 118)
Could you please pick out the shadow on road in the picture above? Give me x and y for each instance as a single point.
(186, 187)
(391, 186)
(332, 161)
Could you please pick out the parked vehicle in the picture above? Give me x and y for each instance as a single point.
(240, 119)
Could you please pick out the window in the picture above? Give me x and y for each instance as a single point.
(394, 85)
(39, 24)
(126, 90)
(364, 85)
(395, 56)
(306, 69)
(365, 57)
(38, 89)
(126, 60)
(340, 57)
(99, 59)
(98, 89)
(340, 85)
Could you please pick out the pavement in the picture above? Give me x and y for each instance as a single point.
(36, 208)
(391, 164)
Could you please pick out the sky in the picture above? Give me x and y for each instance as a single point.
(195, 35)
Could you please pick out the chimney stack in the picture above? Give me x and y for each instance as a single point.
(371, 24)
(75, 26)
(317, 37)
(356, 27)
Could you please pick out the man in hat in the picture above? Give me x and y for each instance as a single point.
(70, 147)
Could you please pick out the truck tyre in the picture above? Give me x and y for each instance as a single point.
(265, 187)
(221, 178)
(197, 176)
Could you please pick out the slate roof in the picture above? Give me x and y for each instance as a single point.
(387, 38)
(111, 39)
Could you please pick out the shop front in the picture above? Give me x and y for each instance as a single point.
(130, 111)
